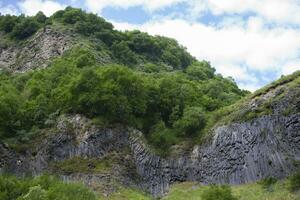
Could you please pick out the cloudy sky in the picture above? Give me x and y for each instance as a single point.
(254, 41)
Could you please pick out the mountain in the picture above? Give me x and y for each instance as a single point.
(114, 109)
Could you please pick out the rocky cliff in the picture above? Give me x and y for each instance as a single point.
(238, 153)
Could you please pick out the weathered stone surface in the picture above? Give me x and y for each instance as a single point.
(36, 52)
(238, 153)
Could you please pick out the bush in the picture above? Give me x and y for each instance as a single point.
(72, 15)
(123, 53)
(193, 120)
(42, 188)
(25, 28)
(215, 192)
(267, 183)
(294, 182)
(7, 23)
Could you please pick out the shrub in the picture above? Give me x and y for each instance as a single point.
(268, 182)
(42, 188)
(294, 182)
(193, 120)
(25, 28)
(215, 192)
(7, 23)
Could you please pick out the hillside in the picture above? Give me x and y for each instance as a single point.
(125, 112)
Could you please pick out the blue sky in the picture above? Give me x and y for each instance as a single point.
(253, 41)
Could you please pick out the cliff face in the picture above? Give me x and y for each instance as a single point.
(37, 51)
(238, 153)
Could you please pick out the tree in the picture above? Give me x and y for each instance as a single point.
(123, 53)
(72, 15)
(200, 71)
(10, 104)
(193, 120)
(40, 17)
(25, 28)
(7, 23)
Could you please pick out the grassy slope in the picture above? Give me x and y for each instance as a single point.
(193, 191)
(241, 111)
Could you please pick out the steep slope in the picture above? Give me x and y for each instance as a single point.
(115, 109)
(266, 146)
(36, 52)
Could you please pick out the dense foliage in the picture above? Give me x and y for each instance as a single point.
(162, 105)
(154, 85)
(21, 27)
(42, 188)
(130, 48)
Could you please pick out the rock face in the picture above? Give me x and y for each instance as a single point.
(36, 52)
(238, 153)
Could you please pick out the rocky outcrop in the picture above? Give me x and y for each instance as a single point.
(238, 153)
(37, 51)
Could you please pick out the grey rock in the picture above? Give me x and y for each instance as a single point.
(238, 153)
(36, 52)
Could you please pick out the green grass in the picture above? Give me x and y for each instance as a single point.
(194, 191)
(281, 81)
(241, 112)
(255, 191)
(127, 194)
(84, 165)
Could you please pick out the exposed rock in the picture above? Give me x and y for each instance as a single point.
(36, 52)
(238, 153)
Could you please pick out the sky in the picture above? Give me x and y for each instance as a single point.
(253, 41)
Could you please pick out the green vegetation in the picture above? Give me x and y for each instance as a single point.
(267, 183)
(127, 194)
(243, 110)
(48, 187)
(294, 182)
(152, 83)
(21, 27)
(132, 48)
(42, 188)
(254, 191)
(84, 165)
(215, 192)
(170, 103)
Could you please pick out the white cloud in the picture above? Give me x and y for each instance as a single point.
(48, 7)
(279, 11)
(291, 67)
(8, 9)
(282, 11)
(240, 50)
(150, 5)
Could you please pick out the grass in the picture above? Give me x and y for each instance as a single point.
(194, 191)
(253, 191)
(84, 165)
(241, 110)
(127, 194)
